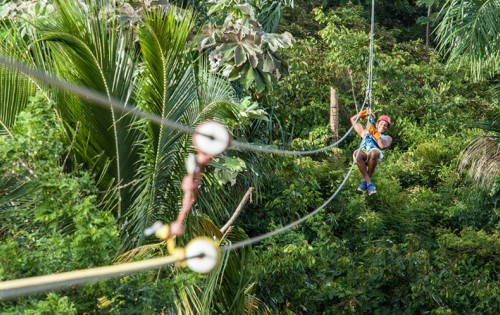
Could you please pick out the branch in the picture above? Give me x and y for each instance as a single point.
(238, 210)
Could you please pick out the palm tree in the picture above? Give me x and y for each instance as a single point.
(174, 88)
(139, 163)
(469, 33)
(96, 53)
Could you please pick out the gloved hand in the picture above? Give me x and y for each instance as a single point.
(375, 133)
(364, 113)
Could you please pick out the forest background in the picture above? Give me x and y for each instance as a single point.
(80, 182)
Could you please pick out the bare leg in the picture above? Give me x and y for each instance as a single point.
(373, 157)
(361, 163)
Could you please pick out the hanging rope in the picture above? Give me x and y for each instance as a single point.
(370, 58)
(210, 140)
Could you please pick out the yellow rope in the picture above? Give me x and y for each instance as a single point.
(20, 287)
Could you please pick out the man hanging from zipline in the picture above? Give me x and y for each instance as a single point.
(374, 141)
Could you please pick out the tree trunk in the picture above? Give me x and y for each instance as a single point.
(334, 114)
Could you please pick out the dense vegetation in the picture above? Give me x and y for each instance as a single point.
(80, 182)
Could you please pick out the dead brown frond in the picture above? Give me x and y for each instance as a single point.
(254, 305)
(481, 161)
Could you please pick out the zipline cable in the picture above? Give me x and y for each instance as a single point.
(20, 287)
(95, 96)
(117, 105)
(252, 147)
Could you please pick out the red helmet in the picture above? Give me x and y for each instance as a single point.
(385, 118)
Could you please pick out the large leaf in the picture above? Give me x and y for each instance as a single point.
(167, 89)
(469, 33)
(94, 51)
(16, 87)
(252, 43)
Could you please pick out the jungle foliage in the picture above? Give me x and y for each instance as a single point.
(80, 182)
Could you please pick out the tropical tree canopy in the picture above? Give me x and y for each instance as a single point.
(98, 107)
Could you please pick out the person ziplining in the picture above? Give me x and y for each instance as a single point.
(370, 151)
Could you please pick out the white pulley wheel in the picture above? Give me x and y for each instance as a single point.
(211, 138)
(208, 251)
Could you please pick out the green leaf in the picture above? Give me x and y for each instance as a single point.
(246, 9)
(259, 80)
(426, 3)
(228, 50)
(239, 56)
(248, 78)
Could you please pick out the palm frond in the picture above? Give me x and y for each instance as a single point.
(481, 161)
(188, 302)
(142, 251)
(167, 89)
(15, 195)
(469, 32)
(175, 89)
(14, 191)
(254, 305)
(228, 289)
(271, 16)
(93, 50)
(216, 96)
(16, 87)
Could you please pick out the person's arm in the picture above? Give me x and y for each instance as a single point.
(358, 127)
(382, 142)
